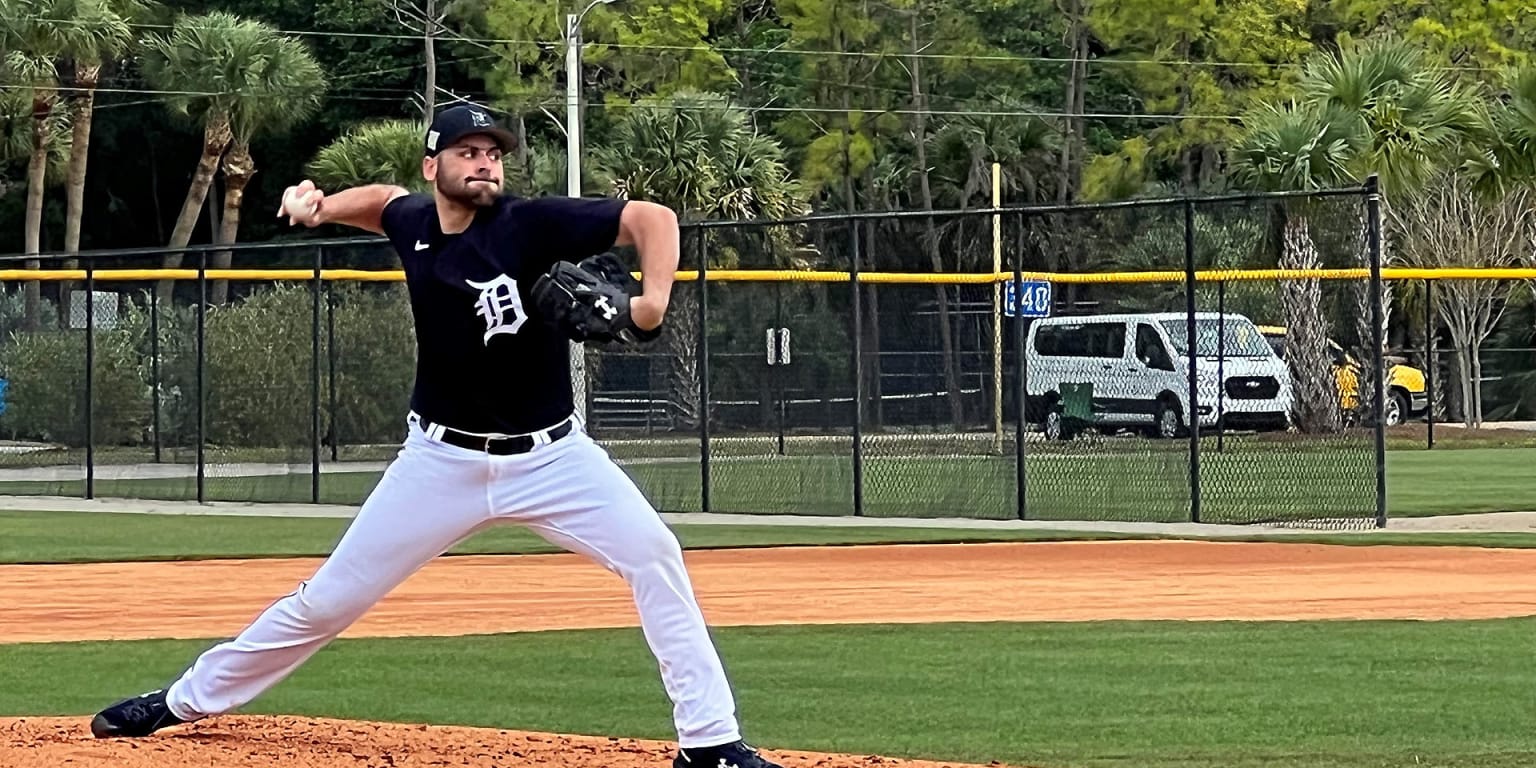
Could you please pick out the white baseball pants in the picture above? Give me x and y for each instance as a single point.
(433, 496)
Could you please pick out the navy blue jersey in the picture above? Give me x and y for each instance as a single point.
(483, 364)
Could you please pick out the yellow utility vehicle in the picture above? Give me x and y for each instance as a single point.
(1407, 396)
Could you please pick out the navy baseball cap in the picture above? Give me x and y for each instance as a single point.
(462, 120)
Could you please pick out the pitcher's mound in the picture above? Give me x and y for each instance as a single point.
(304, 742)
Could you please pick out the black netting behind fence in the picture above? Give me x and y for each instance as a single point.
(816, 396)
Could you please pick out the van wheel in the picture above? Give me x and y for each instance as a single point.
(1166, 424)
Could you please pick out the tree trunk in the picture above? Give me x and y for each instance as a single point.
(682, 340)
(1072, 104)
(86, 76)
(1315, 407)
(37, 172)
(1464, 371)
(930, 234)
(1367, 339)
(522, 149)
(1477, 385)
(216, 137)
(239, 167)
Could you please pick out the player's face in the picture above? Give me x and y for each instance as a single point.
(469, 172)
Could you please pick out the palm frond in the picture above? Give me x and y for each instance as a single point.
(1297, 146)
(387, 152)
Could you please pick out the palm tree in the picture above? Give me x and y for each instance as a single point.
(699, 154)
(1414, 119)
(108, 20)
(217, 69)
(35, 35)
(383, 152)
(18, 142)
(389, 152)
(283, 88)
(1506, 156)
(1301, 146)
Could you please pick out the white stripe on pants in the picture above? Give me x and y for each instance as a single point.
(435, 495)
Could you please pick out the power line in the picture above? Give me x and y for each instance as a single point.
(951, 112)
(361, 95)
(141, 91)
(778, 50)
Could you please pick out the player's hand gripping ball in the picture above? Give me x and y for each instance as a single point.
(590, 301)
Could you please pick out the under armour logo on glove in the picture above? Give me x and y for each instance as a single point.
(590, 301)
(608, 310)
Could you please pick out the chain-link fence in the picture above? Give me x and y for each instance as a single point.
(882, 370)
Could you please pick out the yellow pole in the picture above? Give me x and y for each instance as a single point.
(997, 311)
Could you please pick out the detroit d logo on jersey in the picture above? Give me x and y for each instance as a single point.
(499, 305)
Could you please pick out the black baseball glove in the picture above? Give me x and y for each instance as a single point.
(590, 301)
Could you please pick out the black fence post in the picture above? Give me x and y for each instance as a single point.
(90, 378)
(858, 370)
(1429, 363)
(1221, 366)
(202, 361)
(1192, 419)
(155, 385)
(314, 380)
(703, 374)
(778, 357)
(1373, 202)
(1020, 370)
(330, 356)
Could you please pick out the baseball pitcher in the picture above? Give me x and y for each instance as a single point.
(498, 285)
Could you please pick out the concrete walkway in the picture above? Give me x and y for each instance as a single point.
(1507, 522)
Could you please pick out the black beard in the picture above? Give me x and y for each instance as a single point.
(471, 195)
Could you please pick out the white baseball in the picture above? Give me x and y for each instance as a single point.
(299, 201)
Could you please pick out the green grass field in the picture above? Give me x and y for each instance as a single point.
(1072, 695)
(1240, 485)
(1122, 695)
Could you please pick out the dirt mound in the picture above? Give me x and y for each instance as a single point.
(238, 741)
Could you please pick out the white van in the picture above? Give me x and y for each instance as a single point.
(1138, 366)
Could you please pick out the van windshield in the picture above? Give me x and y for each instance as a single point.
(1242, 337)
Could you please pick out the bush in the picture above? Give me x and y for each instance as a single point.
(46, 370)
(375, 362)
(258, 369)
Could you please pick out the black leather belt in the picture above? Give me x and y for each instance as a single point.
(495, 445)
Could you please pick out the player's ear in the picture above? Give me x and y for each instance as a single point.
(429, 168)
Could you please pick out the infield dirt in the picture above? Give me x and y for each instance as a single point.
(1146, 580)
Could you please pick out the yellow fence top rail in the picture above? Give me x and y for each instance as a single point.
(800, 276)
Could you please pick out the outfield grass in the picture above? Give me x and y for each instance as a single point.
(1098, 695)
(65, 537)
(73, 537)
(1240, 485)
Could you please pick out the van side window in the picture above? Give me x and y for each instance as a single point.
(1150, 349)
(1086, 340)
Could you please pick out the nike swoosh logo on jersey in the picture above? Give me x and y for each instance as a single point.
(420, 246)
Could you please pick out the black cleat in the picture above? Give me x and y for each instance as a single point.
(138, 716)
(734, 755)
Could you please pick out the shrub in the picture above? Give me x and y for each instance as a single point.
(46, 370)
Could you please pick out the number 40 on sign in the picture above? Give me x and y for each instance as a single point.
(1035, 301)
